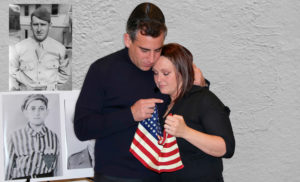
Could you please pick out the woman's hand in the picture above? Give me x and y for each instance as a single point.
(175, 125)
(210, 144)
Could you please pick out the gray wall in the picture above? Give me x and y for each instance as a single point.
(249, 50)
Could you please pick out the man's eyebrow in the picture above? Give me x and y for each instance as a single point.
(158, 49)
(146, 49)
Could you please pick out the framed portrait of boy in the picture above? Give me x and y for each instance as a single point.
(32, 135)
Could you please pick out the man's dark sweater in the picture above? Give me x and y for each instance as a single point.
(112, 85)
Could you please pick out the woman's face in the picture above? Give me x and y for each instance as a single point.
(165, 77)
(36, 112)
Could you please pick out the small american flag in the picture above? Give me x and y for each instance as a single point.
(156, 150)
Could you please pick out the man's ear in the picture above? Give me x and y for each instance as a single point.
(127, 40)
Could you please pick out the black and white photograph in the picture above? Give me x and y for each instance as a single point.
(77, 79)
(40, 47)
(80, 153)
(32, 137)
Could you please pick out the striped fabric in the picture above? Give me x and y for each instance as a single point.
(32, 153)
(155, 151)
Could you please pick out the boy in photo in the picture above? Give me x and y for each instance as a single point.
(33, 150)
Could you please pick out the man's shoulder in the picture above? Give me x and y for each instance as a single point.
(52, 133)
(105, 64)
(19, 130)
(55, 43)
(81, 153)
(112, 58)
(80, 159)
(24, 42)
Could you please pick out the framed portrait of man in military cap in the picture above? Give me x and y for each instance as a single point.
(80, 154)
(32, 135)
(40, 47)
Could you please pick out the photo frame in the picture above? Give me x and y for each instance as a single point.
(40, 43)
(61, 107)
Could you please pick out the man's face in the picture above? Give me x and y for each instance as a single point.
(36, 112)
(40, 28)
(144, 51)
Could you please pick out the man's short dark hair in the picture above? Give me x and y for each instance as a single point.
(148, 19)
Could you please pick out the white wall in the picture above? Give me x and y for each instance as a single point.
(249, 50)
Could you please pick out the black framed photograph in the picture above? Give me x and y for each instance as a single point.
(40, 47)
(80, 154)
(32, 135)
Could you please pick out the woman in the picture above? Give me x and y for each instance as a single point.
(195, 116)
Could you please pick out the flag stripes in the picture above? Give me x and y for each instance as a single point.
(155, 151)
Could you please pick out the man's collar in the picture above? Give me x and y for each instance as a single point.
(38, 42)
(34, 133)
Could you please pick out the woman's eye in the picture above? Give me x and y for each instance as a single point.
(166, 74)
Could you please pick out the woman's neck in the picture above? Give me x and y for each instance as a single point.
(169, 108)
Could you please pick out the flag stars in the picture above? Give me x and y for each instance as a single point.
(152, 124)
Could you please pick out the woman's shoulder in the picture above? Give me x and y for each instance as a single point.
(197, 92)
(203, 96)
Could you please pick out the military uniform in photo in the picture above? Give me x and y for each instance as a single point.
(38, 63)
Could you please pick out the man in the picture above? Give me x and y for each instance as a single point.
(38, 62)
(118, 92)
(33, 150)
(83, 158)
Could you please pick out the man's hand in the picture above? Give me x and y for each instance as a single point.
(52, 86)
(143, 108)
(198, 77)
(35, 86)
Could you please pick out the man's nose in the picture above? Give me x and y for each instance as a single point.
(151, 57)
(37, 112)
(39, 27)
